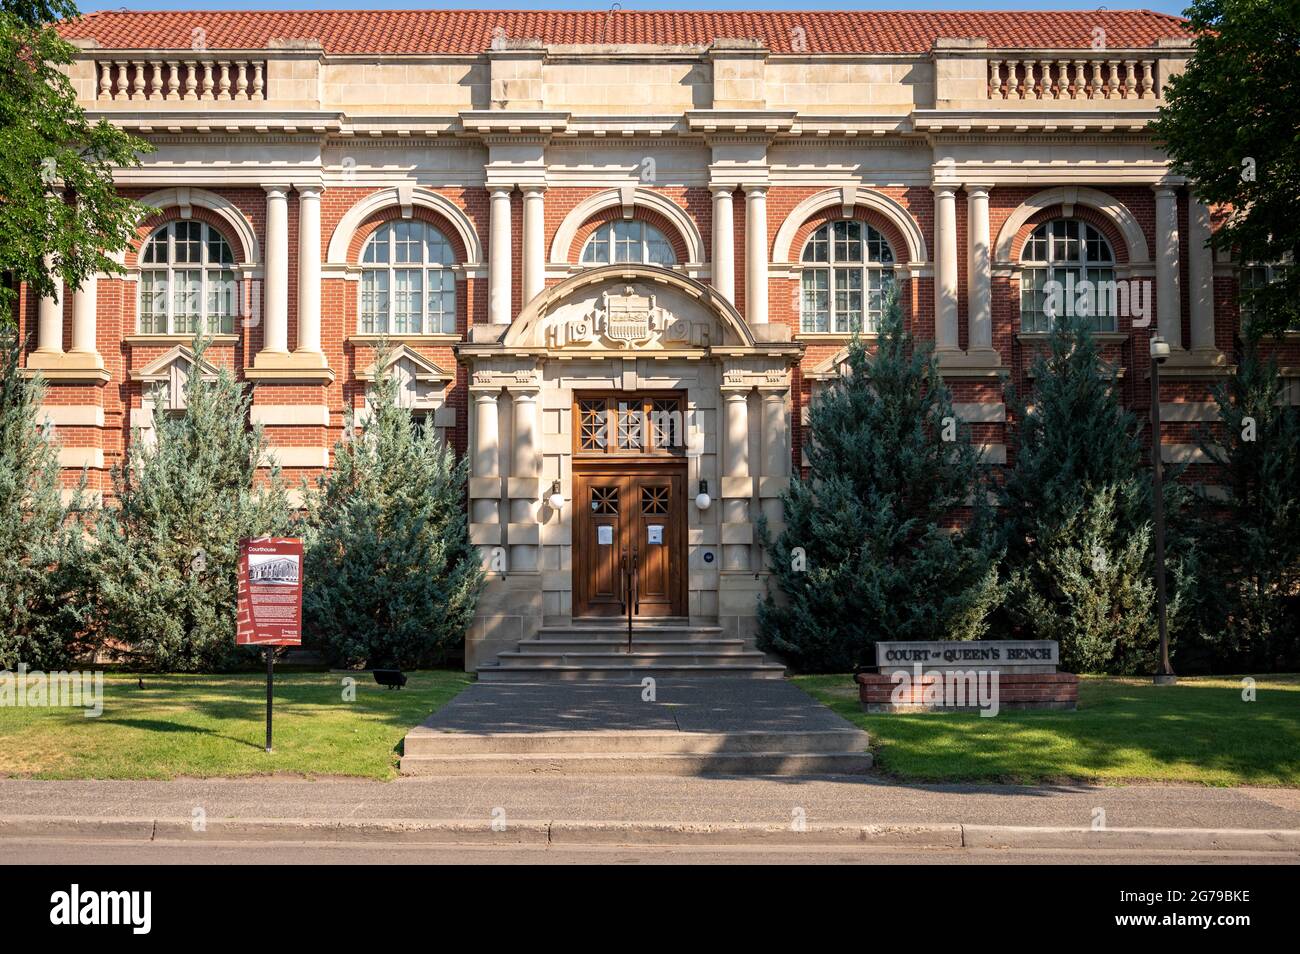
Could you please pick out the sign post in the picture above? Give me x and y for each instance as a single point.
(270, 601)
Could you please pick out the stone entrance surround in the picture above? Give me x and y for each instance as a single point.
(523, 384)
(297, 136)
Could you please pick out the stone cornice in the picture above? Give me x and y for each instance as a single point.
(1061, 120)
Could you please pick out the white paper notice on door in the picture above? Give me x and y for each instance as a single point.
(605, 536)
(655, 532)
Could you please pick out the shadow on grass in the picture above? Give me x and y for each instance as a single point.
(243, 696)
(183, 728)
(1189, 732)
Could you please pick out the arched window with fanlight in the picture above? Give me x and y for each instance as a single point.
(187, 281)
(408, 281)
(1067, 252)
(847, 275)
(628, 240)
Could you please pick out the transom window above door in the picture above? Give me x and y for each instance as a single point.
(628, 241)
(187, 281)
(630, 424)
(848, 273)
(408, 281)
(1067, 251)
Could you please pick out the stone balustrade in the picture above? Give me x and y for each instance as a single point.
(1070, 77)
(155, 80)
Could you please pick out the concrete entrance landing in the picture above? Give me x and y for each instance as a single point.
(694, 727)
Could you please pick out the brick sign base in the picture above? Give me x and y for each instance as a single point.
(1047, 690)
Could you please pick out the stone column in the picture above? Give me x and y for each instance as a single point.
(945, 268)
(84, 313)
(499, 263)
(534, 241)
(1168, 297)
(1200, 275)
(486, 453)
(275, 332)
(776, 452)
(724, 261)
(979, 288)
(735, 471)
(756, 255)
(524, 498)
(49, 316)
(309, 252)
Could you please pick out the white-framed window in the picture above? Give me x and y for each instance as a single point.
(187, 281)
(1254, 276)
(628, 240)
(848, 273)
(408, 282)
(1067, 251)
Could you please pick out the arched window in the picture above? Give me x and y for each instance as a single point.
(848, 272)
(624, 240)
(408, 285)
(1067, 252)
(187, 281)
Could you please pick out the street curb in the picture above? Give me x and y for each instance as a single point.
(1154, 839)
(56, 826)
(367, 831)
(750, 833)
(637, 833)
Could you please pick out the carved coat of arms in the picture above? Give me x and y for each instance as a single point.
(627, 319)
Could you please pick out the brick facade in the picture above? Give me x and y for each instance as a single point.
(716, 109)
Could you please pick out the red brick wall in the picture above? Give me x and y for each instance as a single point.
(117, 305)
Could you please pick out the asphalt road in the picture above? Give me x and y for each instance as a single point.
(86, 852)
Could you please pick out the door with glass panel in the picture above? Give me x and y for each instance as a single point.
(629, 522)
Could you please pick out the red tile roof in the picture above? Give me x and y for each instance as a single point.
(471, 31)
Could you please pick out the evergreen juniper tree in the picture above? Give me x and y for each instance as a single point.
(42, 551)
(392, 578)
(1249, 613)
(1077, 507)
(167, 549)
(872, 547)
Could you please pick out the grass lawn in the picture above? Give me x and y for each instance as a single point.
(216, 725)
(1124, 730)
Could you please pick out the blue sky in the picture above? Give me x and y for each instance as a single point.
(1163, 6)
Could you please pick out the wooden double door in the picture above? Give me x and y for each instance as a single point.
(629, 515)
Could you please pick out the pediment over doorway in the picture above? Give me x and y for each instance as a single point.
(628, 308)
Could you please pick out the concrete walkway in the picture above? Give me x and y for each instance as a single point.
(683, 705)
(842, 800)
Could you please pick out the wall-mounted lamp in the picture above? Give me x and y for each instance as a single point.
(556, 499)
(702, 498)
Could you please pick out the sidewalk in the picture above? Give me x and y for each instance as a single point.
(656, 810)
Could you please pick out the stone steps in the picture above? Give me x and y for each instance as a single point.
(425, 741)
(640, 644)
(597, 650)
(635, 763)
(656, 668)
(691, 726)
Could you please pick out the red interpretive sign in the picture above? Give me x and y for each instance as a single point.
(270, 592)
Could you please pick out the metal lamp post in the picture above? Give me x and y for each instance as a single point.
(1159, 353)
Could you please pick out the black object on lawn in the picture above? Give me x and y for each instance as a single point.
(390, 678)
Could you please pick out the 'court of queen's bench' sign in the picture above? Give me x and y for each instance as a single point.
(987, 675)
